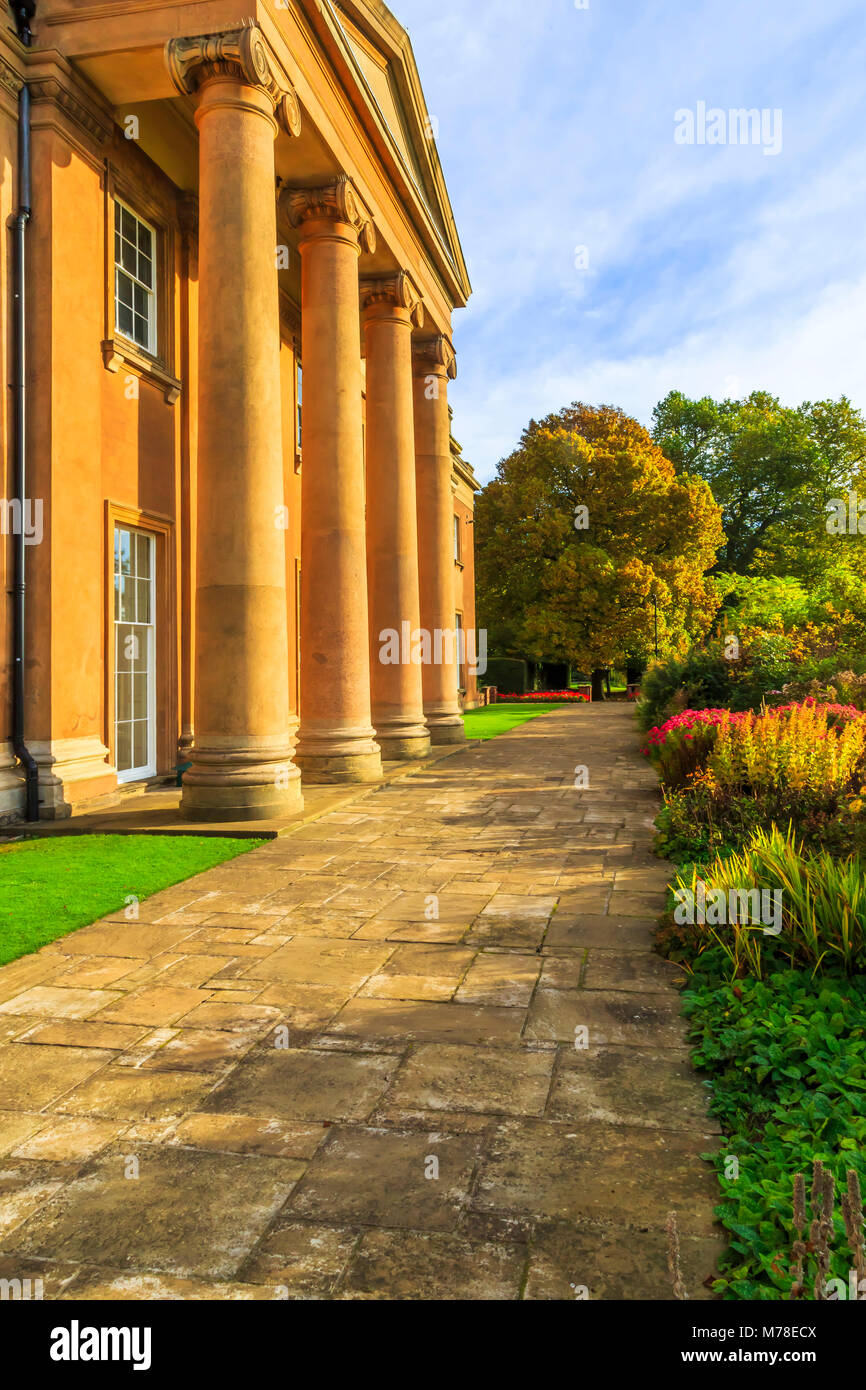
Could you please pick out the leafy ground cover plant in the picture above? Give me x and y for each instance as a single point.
(785, 1058)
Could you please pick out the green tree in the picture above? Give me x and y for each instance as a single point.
(774, 470)
(585, 534)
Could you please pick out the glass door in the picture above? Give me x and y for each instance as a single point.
(134, 654)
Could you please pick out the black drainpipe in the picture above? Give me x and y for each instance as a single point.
(20, 221)
(24, 10)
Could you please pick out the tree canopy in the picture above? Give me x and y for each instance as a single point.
(585, 525)
(774, 470)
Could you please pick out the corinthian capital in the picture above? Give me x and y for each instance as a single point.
(335, 202)
(396, 290)
(436, 353)
(243, 54)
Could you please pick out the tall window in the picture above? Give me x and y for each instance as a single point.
(457, 555)
(461, 650)
(299, 398)
(134, 654)
(134, 278)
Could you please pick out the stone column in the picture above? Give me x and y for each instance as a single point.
(337, 741)
(391, 308)
(242, 754)
(434, 365)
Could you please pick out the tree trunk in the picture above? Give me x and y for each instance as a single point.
(598, 684)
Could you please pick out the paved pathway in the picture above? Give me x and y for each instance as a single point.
(418, 1049)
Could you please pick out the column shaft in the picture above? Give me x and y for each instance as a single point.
(434, 363)
(242, 753)
(336, 741)
(392, 532)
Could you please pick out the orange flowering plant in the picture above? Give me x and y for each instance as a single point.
(802, 747)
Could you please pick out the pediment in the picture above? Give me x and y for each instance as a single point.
(379, 62)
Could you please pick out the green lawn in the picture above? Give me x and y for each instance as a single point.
(491, 720)
(49, 887)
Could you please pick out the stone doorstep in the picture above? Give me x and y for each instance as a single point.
(129, 818)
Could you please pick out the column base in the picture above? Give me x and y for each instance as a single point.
(228, 804)
(240, 785)
(322, 769)
(401, 737)
(448, 728)
(403, 749)
(344, 754)
(11, 786)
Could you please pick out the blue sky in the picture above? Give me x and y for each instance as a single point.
(713, 269)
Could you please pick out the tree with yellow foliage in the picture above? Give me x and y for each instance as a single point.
(587, 537)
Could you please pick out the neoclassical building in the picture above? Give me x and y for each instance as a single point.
(240, 266)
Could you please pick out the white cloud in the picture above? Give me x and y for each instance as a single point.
(818, 356)
(707, 265)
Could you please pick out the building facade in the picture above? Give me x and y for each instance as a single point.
(242, 480)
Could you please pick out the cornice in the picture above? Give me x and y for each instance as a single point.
(243, 54)
(396, 290)
(436, 353)
(334, 202)
(463, 471)
(83, 113)
(73, 15)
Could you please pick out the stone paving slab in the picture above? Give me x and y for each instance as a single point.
(417, 1048)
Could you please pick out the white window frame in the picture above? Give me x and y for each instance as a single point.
(150, 291)
(140, 774)
(462, 667)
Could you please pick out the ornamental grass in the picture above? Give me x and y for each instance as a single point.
(823, 901)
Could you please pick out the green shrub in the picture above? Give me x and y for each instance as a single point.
(702, 819)
(699, 681)
(765, 672)
(843, 687)
(511, 677)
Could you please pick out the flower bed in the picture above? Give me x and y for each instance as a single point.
(559, 697)
(806, 745)
(767, 918)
